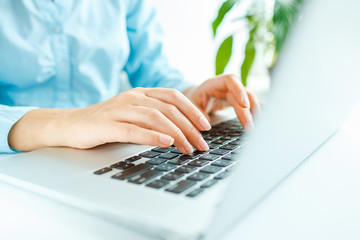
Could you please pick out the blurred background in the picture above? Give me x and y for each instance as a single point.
(190, 44)
(188, 40)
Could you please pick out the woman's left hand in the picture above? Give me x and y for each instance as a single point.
(223, 91)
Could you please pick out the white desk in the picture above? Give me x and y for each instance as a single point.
(321, 200)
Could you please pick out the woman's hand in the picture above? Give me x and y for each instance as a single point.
(156, 116)
(150, 116)
(223, 91)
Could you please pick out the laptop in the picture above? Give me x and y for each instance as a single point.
(165, 194)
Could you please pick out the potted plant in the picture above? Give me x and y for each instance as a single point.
(266, 25)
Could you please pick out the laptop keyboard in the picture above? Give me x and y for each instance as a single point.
(170, 170)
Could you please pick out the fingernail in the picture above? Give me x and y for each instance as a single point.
(205, 123)
(166, 140)
(187, 147)
(246, 101)
(203, 145)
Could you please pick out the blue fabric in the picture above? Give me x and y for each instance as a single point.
(66, 54)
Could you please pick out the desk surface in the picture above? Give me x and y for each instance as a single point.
(318, 201)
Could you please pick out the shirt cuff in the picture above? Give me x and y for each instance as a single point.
(8, 117)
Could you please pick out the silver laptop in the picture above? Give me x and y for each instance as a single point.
(165, 194)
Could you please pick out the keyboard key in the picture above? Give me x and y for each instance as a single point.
(219, 141)
(103, 170)
(176, 151)
(230, 157)
(235, 134)
(200, 153)
(210, 169)
(192, 156)
(226, 138)
(178, 161)
(169, 155)
(132, 171)
(161, 150)
(222, 175)
(186, 169)
(145, 176)
(156, 161)
(213, 145)
(219, 151)
(222, 163)
(237, 151)
(209, 183)
(195, 192)
(173, 176)
(236, 126)
(204, 133)
(229, 147)
(149, 154)
(198, 163)
(225, 130)
(239, 142)
(216, 134)
(115, 165)
(221, 125)
(132, 159)
(209, 157)
(165, 167)
(209, 137)
(158, 183)
(126, 166)
(122, 165)
(188, 157)
(181, 186)
(199, 176)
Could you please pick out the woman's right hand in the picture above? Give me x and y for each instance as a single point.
(149, 116)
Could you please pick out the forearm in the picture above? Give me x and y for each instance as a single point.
(39, 128)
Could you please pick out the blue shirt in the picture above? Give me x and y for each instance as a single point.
(66, 54)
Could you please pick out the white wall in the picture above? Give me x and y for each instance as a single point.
(188, 40)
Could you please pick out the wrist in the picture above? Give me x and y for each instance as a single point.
(57, 130)
(39, 128)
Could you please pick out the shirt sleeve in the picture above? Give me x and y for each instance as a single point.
(147, 65)
(8, 117)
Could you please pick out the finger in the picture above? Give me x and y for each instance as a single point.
(243, 114)
(152, 118)
(179, 119)
(232, 84)
(205, 114)
(254, 103)
(177, 99)
(210, 105)
(126, 132)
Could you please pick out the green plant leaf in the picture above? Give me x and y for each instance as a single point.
(223, 55)
(285, 13)
(249, 57)
(223, 10)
